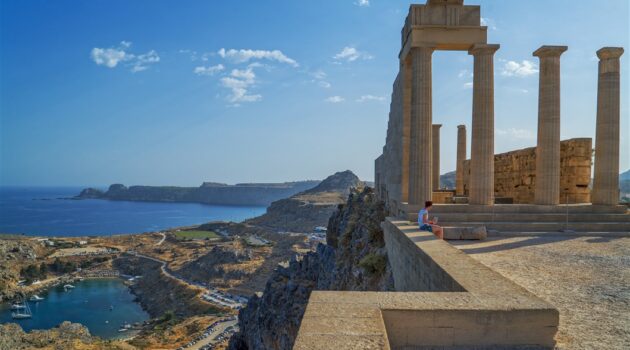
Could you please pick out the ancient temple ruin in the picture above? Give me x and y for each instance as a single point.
(407, 173)
(443, 298)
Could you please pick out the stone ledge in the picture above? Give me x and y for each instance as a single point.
(472, 306)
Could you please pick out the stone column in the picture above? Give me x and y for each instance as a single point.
(436, 156)
(461, 157)
(482, 145)
(606, 179)
(406, 127)
(420, 147)
(548, 147)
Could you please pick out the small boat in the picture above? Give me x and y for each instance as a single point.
(68, 286)
(36, 298)
(20, 315)
(22, 310)
(17, 306)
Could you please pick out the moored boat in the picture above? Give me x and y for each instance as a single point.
(22, 310)
(36, 298)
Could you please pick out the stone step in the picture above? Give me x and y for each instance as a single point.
(547, 226)
(525, 217)
(520, 208)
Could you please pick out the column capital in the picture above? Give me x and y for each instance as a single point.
(437, 126)
(550, 51)
(483, 49)
(609, 53)
(461, 126)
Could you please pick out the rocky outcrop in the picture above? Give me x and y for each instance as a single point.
(308, 209)
(353, 259)
(159, 293)
(14, 254)
(65, 336)
(207, 193)
(213, 265)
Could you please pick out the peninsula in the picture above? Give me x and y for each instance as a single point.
(261, 194)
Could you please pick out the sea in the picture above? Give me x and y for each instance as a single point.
(103, 305)
(47, 211)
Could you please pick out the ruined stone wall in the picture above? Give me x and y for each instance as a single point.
(515, 173)
(388, 167)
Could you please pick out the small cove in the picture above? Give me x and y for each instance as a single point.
(103, 305)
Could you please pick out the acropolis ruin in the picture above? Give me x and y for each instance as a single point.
(444, 298)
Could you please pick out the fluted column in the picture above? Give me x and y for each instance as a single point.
(420, 147)
(606, 179)
(461, 157)
(436, 156)
(482, 143)
(548, 146)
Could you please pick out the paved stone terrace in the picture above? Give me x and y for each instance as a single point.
(586, 278)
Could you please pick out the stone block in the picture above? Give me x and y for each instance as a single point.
(465, 233)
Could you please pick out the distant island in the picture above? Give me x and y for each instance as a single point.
(261, 194)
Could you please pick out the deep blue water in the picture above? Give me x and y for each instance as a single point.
(22, 210)
(88, 303)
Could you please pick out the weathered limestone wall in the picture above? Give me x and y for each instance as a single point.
(389, 166)
(412, 268)
(515, 173)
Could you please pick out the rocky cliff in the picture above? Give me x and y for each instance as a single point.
(354, 259)
(65, 336)
(304, 211)
(208, 193)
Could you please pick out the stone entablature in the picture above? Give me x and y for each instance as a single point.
(515, 173)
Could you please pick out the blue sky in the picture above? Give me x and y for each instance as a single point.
(164, 92)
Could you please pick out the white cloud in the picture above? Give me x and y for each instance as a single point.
(324, 84)
(239, 81)
(363, 3)
(516, 69)
(516, 133)
(335, 99)
(319, 74)
(351, 54)
(465, 73)
(468, 85)
(365, 98)
(142, 62)
(320, 77)
(210, 70)
(111, 57)
(245, 55)
(488, 22)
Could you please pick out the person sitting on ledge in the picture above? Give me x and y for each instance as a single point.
(426, 224)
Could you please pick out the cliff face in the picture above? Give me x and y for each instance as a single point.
(304, 211)
(207, 193)
(353, 259)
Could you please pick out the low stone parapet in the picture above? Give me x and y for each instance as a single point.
(444, 299)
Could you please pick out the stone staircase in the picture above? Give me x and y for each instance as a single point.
(514, 219)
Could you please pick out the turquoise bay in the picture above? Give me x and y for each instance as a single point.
(102, 305)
